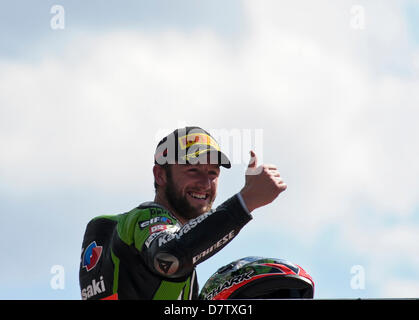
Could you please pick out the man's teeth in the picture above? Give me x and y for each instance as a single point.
(198, 196)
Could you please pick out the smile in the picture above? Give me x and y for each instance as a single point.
(199, 196)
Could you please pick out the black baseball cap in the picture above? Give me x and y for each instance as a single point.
(190, 145)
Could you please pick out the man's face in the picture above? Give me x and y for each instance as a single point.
(191, 189)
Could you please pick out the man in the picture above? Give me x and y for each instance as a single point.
(151, 251)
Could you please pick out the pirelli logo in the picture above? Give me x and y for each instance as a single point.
(197, 138)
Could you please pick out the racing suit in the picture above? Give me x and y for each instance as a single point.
(146, 254)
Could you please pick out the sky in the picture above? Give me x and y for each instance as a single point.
(325, 90)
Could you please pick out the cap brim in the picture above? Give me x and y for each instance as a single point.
(224, 161)
(221, 158)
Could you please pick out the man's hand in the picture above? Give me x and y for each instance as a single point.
(263, 184)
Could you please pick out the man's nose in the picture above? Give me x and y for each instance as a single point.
(204, 181)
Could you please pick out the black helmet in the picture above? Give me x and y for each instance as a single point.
(258, 278)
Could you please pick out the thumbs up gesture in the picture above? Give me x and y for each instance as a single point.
(263, 184)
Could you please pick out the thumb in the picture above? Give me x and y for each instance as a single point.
(253, 160)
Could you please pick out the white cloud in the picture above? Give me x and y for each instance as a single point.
(401, 289)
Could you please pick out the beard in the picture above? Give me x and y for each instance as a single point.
(180, 203)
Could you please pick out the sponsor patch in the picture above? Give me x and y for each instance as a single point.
(91, 256)
(166, 263)
(157, 228)
(144, 224)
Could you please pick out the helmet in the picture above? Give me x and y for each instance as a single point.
(258, 278)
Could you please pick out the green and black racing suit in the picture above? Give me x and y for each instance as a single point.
(146, 254)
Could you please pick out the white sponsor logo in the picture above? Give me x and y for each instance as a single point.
(229, 283)
(155, 220)
(215, 246)
(151, 238)
(97, 287)
(185, 229)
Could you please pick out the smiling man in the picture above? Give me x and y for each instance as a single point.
(194, 191)
(151, 251)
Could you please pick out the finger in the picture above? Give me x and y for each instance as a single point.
(274, 173)
(270, 167)
(277, 179)
(253, 160)
(282, 186)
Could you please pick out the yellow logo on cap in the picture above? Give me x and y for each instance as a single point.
(194, 155)
(197, 138)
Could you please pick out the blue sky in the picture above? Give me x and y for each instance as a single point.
(81, 110)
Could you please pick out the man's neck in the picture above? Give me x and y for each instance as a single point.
(163, 202)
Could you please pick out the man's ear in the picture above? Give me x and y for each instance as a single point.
(160, 176)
